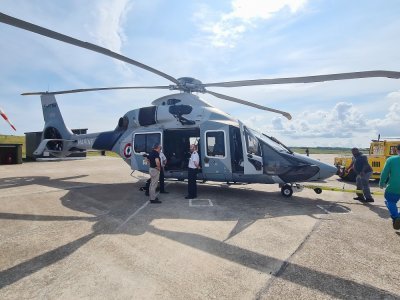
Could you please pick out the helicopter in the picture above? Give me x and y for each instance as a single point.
(229, 150)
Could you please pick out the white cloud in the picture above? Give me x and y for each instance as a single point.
(343, 125)
(389, 125)
(110, 19)
(244, 15)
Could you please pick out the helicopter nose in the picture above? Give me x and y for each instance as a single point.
(326, 171)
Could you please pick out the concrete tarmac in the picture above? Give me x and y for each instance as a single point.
(82, 229)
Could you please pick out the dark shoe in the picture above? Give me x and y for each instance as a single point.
(396, 223)
(359, 198)
(369, 200)
(155, 201)
(164, 192)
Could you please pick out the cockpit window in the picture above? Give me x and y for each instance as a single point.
(271, 141)
(252, 144)
(173, 101)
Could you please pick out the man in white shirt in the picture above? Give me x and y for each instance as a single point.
(194, 165)
(163, 163)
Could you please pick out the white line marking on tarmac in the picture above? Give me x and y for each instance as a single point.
(321, 207)
(191, 204)
(137, 211)
(133, 215)
(326, 208)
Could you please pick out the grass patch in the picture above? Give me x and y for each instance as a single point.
(98, 153)
(326, 150)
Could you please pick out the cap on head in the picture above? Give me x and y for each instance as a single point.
(355, 150)
(156, 145)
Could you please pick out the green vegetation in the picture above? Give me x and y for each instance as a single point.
(325, 150)
(98, 153)
(321, 150)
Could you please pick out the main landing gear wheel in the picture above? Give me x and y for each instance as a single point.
(287, 191)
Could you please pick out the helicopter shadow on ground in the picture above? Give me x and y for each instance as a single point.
(113, 205)
(59, 183)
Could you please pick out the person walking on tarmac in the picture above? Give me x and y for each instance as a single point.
(194, 164)
(154, 171)
(364, 171)
(390, 177)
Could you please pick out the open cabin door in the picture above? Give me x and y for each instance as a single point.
(252, 155)
(215, 151)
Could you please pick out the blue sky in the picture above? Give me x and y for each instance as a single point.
(212, 41)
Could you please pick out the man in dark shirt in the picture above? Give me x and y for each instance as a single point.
(163, 161)
(154, 171)
(364, 171)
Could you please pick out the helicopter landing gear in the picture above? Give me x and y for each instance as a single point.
(288, 189)
(318, 190)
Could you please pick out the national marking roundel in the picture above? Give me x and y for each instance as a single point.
(128, 150)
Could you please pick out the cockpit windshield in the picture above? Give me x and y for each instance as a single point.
(271, 141)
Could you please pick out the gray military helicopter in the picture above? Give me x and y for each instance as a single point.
(229, 150)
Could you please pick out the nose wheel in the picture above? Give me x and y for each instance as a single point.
(287, 189)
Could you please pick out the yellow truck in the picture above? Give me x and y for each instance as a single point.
(379, 151)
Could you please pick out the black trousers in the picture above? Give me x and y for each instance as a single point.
(192, 186)
(162, 186)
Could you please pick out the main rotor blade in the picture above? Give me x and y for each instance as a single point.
(69, 40)
(237, 100)
(96, 89)
(307, 79)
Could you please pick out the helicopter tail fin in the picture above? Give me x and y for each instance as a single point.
(54, 127)
(55, 133)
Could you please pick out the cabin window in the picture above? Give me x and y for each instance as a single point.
(252, 144)
(215, 143)
(144, 142)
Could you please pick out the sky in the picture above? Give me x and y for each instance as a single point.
(212, 41)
